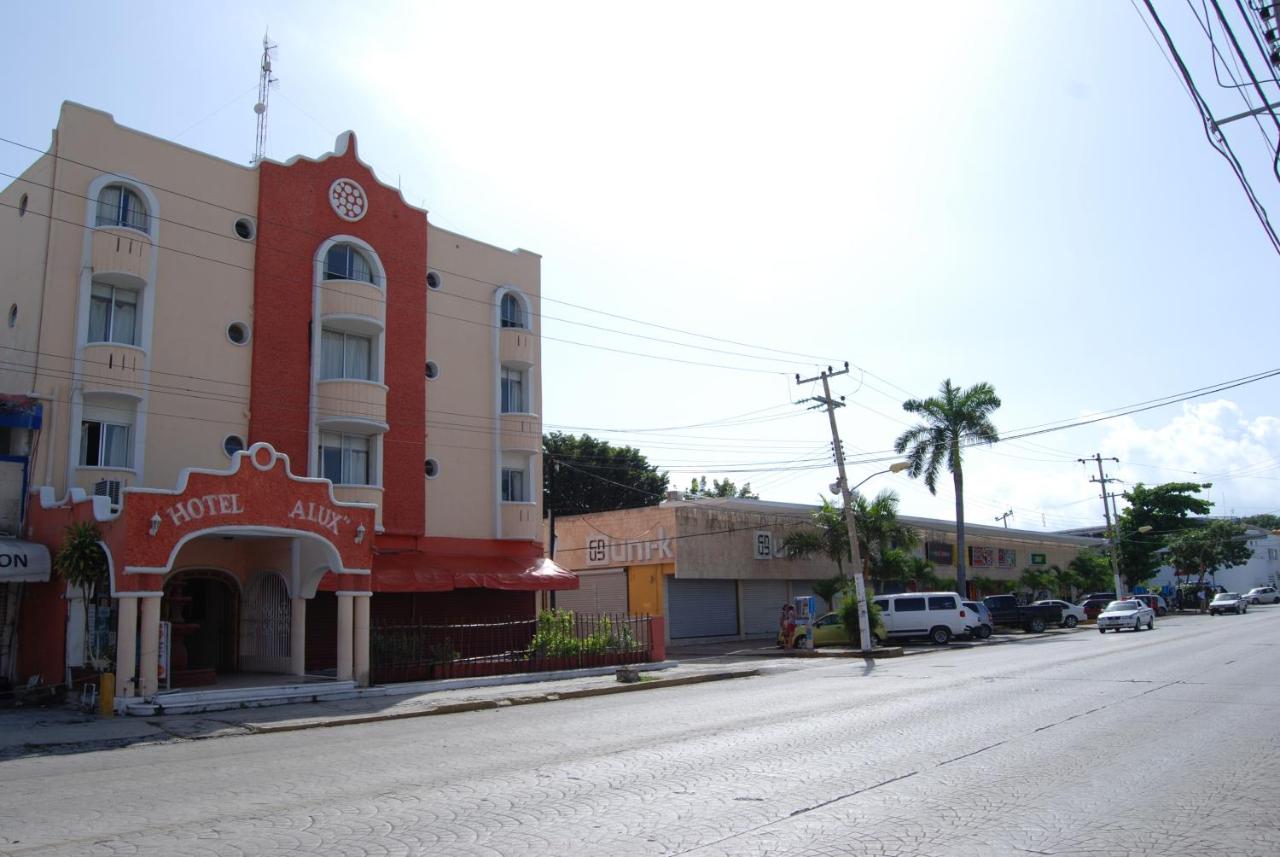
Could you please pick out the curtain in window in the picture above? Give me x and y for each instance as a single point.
(512, 391)
(358, 350)
(356, 451)
(512, 314)
(132, 211)
(344, 262)
(331, 348)
(124, 317)
(360, 269)
(109, 206)
(513, 485)
(99, 313)
(115, 446)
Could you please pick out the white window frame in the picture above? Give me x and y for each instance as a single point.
(519, 319)
(372, 268)
(103, 425)
(109, 333)
(508, 484)
(344, 375)
(124, 216)
(345, 448)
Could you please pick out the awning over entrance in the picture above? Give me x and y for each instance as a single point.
(23, 562)
(418, 572)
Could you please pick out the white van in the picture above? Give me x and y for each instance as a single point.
(937, 616)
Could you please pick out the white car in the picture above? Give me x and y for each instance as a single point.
(1263, 595)
(1228, 602)
(1126, 614)
(1072, 614)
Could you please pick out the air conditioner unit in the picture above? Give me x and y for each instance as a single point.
(108, 488)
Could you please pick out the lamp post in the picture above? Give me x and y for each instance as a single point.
(846, 494)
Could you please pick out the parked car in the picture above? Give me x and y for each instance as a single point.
(1228, 602)
(1155, 602)
(984, 627)
(1072, 614)
(1093, 606)
(1032, 618)
(828, 630)
(1263, 595)
(1128, 613)
(937, 616)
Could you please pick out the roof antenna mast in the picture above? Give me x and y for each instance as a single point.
(265, 82)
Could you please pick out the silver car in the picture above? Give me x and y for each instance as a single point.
(1228, 602)
(1128, 613)
(1263, 595)
(984, 626)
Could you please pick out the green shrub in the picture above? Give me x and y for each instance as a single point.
(849, 616)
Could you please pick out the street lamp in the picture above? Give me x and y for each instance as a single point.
(864, 618)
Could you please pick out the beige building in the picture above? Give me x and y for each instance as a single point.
(716, 567)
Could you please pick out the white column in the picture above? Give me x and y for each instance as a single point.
(361, 641)
(345, 621)
(126, 647)
(149, 649)
(298, 637)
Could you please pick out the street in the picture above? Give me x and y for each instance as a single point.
(1159, 743)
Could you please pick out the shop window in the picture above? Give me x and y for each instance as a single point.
(113, 314)
(119, 205)
(344, 458)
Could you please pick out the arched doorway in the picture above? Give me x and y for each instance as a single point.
(203, 607)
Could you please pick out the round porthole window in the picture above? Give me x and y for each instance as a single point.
(244, 228)
(238, 332)
(433, 370)
(431, 468)
(232, 444)
(433, 281)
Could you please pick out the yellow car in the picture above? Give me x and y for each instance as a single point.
(828, 630)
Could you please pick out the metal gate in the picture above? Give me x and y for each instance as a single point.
(265, 618)
(702, 608)
(598, 592)
(762, 602)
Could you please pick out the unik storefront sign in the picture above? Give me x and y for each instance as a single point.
(601, 549)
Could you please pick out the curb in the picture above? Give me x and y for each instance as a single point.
(484, 704)
(874, 654)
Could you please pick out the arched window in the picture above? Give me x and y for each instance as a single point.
(344, 262)
(512, 311)
(121, 206)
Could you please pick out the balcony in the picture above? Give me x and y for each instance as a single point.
(348, 298)
(121, 251)
(515, 347)
(521, 432)
(358, 404)
(110, 367)
(361, 494)
(520, 521)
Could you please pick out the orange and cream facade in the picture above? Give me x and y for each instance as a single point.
(289, 403)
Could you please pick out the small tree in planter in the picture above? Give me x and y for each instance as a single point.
(83, 564)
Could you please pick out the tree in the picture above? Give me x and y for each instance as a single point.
(827, 589)
(1205, 550)
(83, 564)
(880, 531)
(829, 538)
(1041, 580)
(1090, 572)
(953, 419)
(1167, 509)
(1266, 522)
(583, 474)
(698, 488)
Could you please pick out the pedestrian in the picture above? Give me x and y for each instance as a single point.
(1177, 599)
(1203, 596)
(787, 626)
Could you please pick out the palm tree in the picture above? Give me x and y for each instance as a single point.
(830, 538)
(952, 420)
(879, 530)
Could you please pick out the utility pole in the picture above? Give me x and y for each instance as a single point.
(825, 400)
(1005, 518)
(1103, 479)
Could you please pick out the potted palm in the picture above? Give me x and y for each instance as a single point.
(83, 565)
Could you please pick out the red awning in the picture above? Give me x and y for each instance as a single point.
(413, 571)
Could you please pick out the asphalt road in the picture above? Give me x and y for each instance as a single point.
(1160, 743)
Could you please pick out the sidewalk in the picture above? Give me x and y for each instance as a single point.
(27, 732)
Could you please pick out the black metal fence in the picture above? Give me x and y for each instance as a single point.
(555, 640)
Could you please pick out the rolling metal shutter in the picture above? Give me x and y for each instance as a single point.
(702, 608)
(597, 592)
(762, 602)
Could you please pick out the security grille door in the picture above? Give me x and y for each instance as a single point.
(265, 618)
(702, 608)
(597, 592)
(762, 602)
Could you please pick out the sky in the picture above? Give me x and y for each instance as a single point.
(1019, 193)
